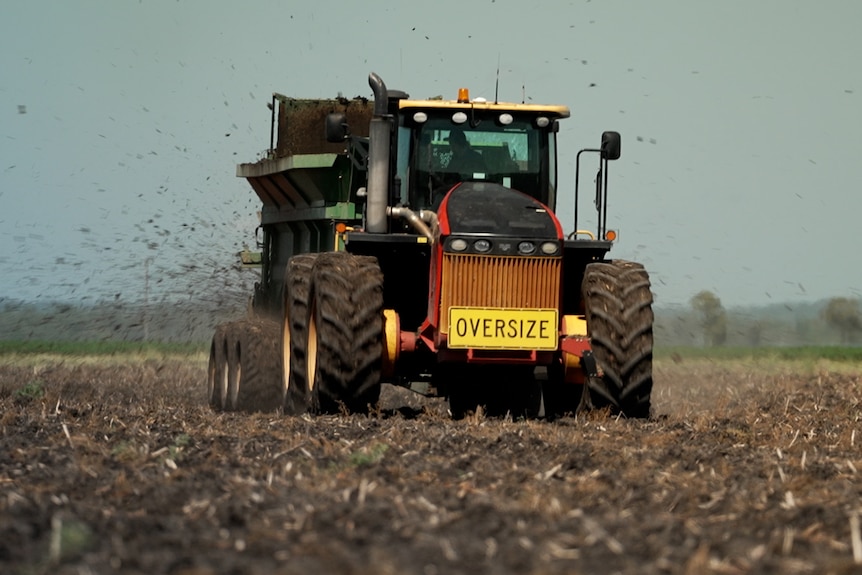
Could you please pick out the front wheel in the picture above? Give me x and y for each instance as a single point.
(345, 333)
(618, 305)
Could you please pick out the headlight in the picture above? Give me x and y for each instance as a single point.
(550, 248)
(458, 245)
(526, 247)
(482, 246)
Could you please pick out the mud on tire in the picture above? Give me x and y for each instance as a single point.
(244, 367)
(258, 377)
(618, 304)
(294, 333)
(345, 335)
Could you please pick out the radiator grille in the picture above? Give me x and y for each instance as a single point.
(498, 281)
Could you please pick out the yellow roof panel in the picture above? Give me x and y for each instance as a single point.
(551, 110)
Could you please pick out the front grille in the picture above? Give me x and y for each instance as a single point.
(498, 281)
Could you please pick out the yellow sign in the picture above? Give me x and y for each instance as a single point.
(502, 328)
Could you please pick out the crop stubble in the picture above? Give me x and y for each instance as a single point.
(119, 466)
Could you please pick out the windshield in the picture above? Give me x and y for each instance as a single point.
(514, 155)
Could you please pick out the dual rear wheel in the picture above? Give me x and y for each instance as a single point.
(325, 356)
(243, 371)
(332, 334)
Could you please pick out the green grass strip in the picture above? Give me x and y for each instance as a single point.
(832, 353)
(98, 347)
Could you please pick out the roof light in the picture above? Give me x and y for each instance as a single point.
(459, 117)
(505, 119)
(463, 95)
(420, 117)
(542, 122)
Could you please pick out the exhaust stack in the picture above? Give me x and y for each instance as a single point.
(376, 221)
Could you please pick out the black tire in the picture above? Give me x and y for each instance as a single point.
(345, 333)
(258, 376)
(618, 305)
(217, 370)
(368, 326)
(294, 334)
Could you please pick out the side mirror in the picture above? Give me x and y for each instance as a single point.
(610, 145)
(336, 127)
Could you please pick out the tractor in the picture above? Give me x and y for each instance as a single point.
(415, 243)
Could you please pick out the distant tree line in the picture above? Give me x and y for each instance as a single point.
(713, 318)
(221, 294)
(705, 321)
(175, 322)
(843, 316)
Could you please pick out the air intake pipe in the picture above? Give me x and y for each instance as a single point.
(379, 135)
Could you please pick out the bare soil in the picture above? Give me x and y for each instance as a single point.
(119, 466)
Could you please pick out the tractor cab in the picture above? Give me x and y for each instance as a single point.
(441, 143)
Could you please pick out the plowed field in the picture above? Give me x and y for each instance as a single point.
(118, 466)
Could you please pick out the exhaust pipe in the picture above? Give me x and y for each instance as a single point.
(425, 222)
(378, 160)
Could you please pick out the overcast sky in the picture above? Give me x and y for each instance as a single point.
(121, 122)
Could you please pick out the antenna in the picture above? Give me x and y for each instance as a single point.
(523, 93)
(497, 85)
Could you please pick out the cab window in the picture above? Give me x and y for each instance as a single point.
(513, 156)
